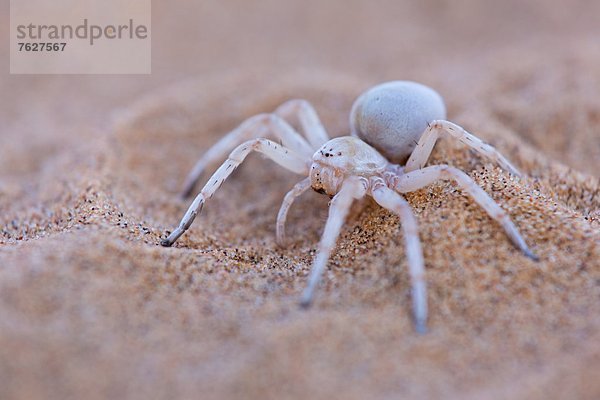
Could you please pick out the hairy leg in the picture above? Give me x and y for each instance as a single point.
(415, 180)
(272, 150)
(262, 125)
(391, 200)
(352, 188)
(308, 118)
(421, 153)
(296, 191)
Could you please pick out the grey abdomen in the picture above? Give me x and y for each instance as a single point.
(392, 116)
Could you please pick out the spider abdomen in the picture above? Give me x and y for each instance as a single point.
(392, 116)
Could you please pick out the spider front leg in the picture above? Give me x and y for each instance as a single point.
(288, 200)
(352, 188)
(392, 201)
(309, 120)
(260, 125)
(421, 153)
(418, 179)
(272, 150)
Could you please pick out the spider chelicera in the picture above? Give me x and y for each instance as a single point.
(394, 128)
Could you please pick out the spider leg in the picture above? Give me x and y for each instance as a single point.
(272, 150)
(352, 188)
(289, 198)
(309, 120)
(415, 180)
(269, 125)
(421, 153)
(392, 201)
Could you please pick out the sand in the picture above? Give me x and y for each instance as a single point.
(90, 167)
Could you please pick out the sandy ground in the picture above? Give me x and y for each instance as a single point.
(92, 307)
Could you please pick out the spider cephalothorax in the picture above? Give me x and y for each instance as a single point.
(395, 122)
(340, 158)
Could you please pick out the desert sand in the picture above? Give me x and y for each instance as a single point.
(90, 167)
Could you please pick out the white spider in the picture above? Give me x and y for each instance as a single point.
(394, 128)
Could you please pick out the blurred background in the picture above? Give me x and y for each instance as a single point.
(452, 44)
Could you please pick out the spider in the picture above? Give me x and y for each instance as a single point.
(394, 127)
